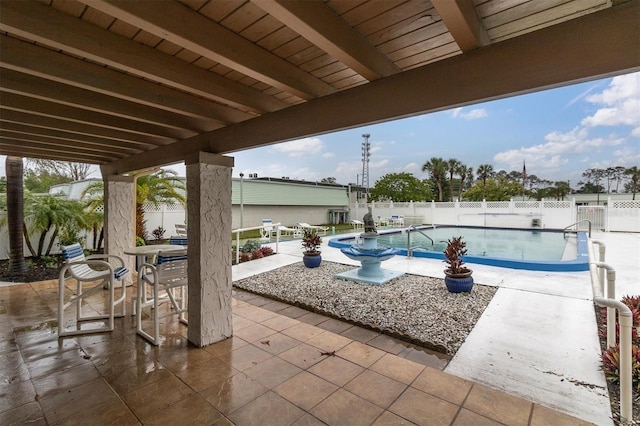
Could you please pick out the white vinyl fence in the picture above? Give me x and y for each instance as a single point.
(615, 216)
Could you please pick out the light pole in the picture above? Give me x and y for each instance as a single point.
(241, 202)
(366, 153)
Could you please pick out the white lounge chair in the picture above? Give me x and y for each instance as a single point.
(320, 230)
(269, 230)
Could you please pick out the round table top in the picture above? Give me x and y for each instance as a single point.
(152, 249)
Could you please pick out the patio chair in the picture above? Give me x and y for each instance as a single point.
(357, 224)
(269, 230)
(97, 270)
(320, 230)
(397, 221)
(179, 241)
(164, 282)
(181, 230)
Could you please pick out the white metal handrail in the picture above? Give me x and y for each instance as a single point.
(597, 268)
(409, 246)
(239, 230)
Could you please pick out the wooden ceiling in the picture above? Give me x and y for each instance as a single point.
(134, 84)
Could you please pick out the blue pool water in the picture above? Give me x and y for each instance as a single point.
(541, 250)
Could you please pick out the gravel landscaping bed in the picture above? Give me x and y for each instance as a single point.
(415, 308)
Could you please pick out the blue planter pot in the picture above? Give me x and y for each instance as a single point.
(459, 284)
(311, 261)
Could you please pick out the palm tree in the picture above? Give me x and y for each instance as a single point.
(437, 167)
(93, 196)
(634, 175)
(485, 171)
(52, 213)
(15, 214)
(452, 165)
(465, 173)
(157, 188)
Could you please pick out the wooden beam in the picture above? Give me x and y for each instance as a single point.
(552, 57)
(49, 64)
(137, 141)
(38, 88)
(318, 23)
(15, 102)
(39, 22)
(463, 22)
(81, 142)
(215, 42)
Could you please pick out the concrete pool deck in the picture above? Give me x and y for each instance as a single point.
(538, 337)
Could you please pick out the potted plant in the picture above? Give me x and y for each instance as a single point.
(311, 242)
(457, 276)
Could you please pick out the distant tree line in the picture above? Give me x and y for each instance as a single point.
(450, 180)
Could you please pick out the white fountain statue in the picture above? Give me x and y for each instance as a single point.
(370, 256)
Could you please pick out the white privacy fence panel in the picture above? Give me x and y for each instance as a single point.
(623, 216)
(617, 216)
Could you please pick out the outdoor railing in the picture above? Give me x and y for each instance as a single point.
(237, 232)
(409, 246)
(597, 268)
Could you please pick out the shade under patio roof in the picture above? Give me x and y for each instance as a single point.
(136, 84)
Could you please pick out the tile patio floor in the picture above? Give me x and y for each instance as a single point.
(283, 366)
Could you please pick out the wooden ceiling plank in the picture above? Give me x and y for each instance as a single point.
(552, 57)
(318, 23)
(51, 109)
(45, 63)
(463, 22)
(136, 141)
(215, 42)
(52, 28)
(39, 88)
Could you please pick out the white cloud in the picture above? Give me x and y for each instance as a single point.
(620, 103)
(470, 115)
(328, 155)
(636, 132)
(378, 164)
(300, 148)
(554, 152)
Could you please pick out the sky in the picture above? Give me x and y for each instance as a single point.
(558, 133)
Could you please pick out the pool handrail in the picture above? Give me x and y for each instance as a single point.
(239, 230)
(596, 268)
(566, 228)
(409, 246)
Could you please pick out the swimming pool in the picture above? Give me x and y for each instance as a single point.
(537, 250)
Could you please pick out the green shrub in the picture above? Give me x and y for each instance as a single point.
(610, 359)
(250, 246)
(140, 242)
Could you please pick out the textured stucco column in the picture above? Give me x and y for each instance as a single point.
(209, 233)
(120, 216)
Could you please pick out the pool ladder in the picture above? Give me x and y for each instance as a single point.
(409, 247)
(568, 230)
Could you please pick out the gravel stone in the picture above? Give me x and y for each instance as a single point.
(415, 308)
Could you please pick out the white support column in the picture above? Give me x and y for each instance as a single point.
(209, 252)
(120, 216)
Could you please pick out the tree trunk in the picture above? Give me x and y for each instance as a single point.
(15, 214)
(100, 239)
(43, 235)
(27, 239)
(51, 241)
